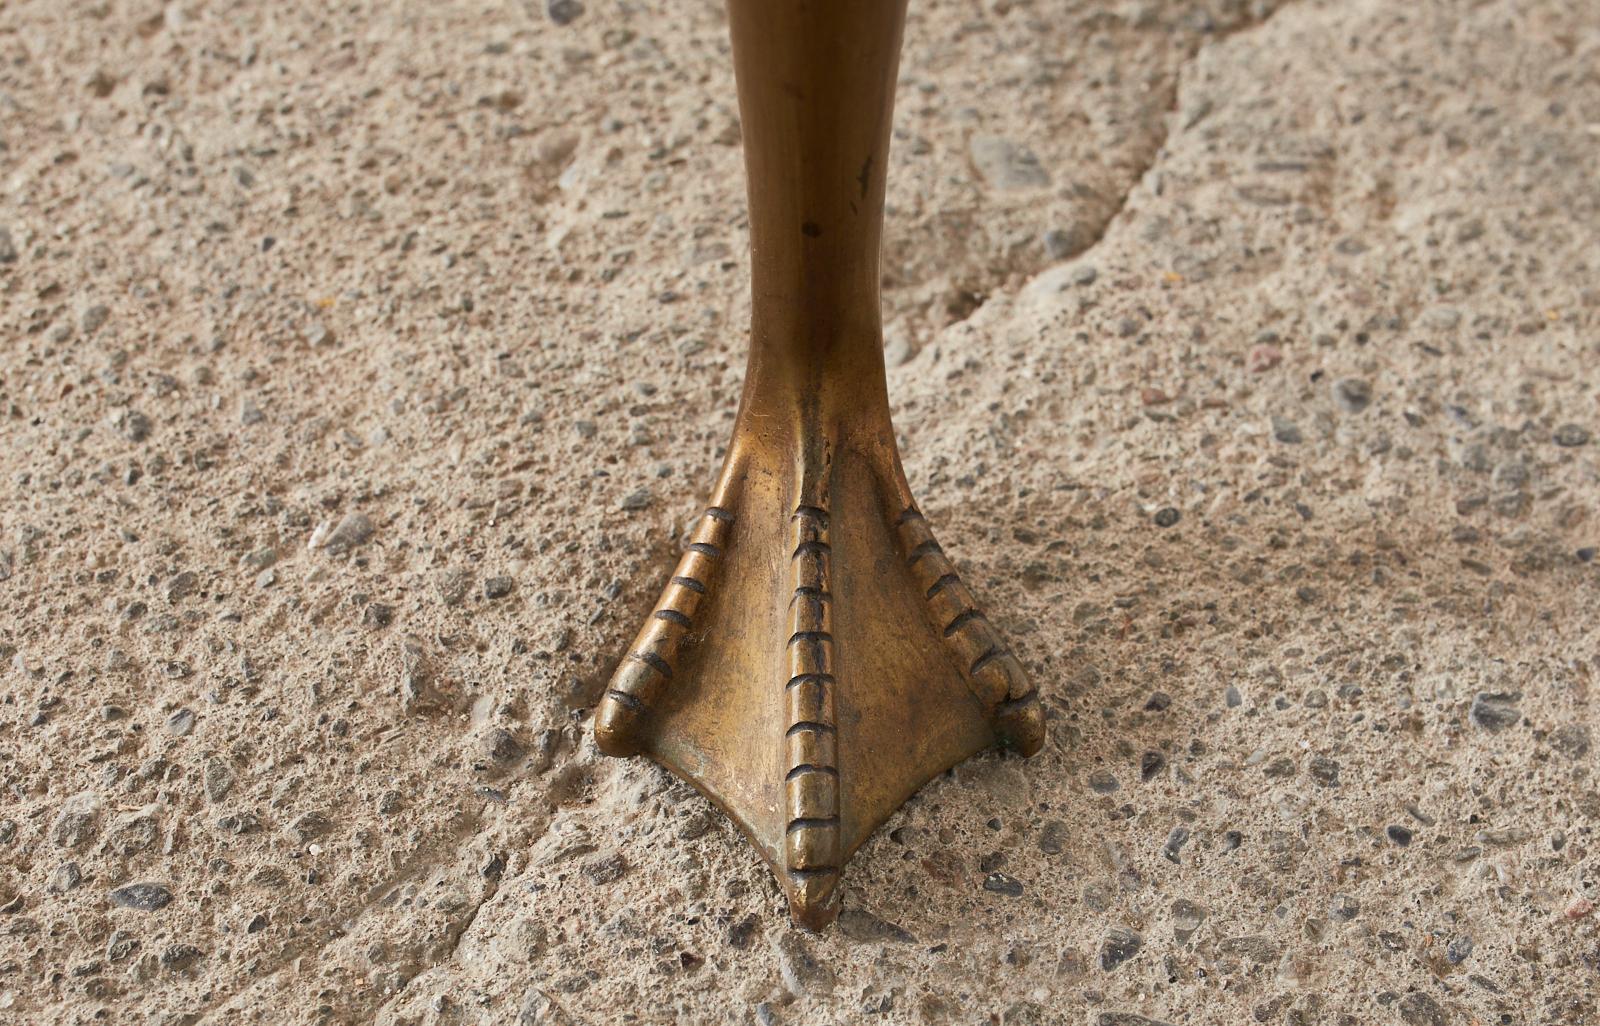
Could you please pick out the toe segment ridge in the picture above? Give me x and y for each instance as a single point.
(648, 667)
(993, 674)
(811, 780)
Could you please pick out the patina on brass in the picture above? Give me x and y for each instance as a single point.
(815, 659)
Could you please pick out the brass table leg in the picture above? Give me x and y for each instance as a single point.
(815, 659)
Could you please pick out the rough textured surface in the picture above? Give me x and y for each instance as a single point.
(362, 364)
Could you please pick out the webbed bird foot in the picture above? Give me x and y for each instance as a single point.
(814, 660)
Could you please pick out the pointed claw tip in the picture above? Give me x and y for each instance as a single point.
(1020, 725)
(814, 901)
(612, 734)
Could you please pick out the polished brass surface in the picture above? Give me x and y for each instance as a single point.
(815, 659)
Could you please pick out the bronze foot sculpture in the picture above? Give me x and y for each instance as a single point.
(815, 659)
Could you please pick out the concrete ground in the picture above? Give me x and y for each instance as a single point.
(362, 364)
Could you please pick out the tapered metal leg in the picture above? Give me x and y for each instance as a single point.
(815, 659)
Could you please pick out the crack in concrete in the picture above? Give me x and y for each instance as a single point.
(1171, 106)
(428, 857)
(1171, 109)
(466, 924)
(436, 854)
(1151, 158)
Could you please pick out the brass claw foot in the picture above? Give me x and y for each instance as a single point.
(813, 662)
(815, 658)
